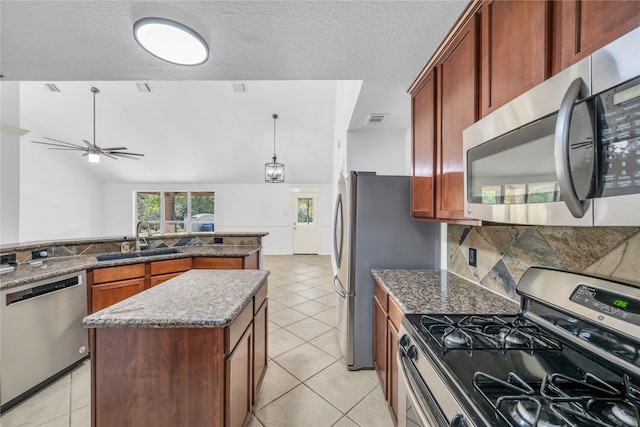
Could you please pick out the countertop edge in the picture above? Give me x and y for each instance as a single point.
(105, 320)
(414, 291)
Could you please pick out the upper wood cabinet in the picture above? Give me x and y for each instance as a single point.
(423, 111)
(515, 54)
(457, 110)
(444, 103)
(582, 27)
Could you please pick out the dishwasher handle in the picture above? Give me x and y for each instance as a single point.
(38, 291)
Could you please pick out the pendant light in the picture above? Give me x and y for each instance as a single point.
(274, 171)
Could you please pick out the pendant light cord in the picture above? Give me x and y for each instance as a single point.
(275, 116)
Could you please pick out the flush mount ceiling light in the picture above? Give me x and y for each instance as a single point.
(274, 171)
(171, 41)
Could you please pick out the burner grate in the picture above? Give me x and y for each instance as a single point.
(561, 400)
(486, 333)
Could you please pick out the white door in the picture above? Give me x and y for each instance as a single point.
(306, 224)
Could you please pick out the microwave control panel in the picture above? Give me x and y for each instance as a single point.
(618, 125)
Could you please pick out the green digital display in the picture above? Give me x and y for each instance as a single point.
(626, 95)
(620, 303)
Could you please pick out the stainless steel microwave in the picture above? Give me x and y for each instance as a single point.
(567, 152)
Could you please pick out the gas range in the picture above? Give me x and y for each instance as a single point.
(571, 357)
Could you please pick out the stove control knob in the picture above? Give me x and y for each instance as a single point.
(404, 340)
(458, 421)
(412, 352)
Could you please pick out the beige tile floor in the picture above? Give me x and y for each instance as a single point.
(306, 383)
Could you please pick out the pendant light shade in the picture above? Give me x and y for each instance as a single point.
(274, 171)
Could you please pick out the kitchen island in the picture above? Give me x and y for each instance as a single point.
(190, 351)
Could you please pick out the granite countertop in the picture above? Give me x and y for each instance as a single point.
(57, 266)
(195, 299)
(441, 292)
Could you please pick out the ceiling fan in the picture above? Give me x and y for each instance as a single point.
(91, 150)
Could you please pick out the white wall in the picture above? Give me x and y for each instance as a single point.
(239, 207)
(383, 152)
(59, 196)
(9, 164)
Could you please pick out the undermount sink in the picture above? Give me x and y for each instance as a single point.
(152, 252)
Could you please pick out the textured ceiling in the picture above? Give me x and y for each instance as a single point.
(383, 43)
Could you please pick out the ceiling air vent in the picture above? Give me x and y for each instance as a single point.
(376, 119)
(51, 87)
(239, 87)
(144, 87)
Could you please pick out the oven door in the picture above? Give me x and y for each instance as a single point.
(416, 406)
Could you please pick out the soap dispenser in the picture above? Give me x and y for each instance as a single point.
(124, 246)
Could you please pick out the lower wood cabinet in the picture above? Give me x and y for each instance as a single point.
(114, 284)
(386, 323)
(239, 381)
(109, 285)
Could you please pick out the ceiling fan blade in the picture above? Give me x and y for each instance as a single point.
(90, 145)
(68, 147)
(122, 153)
(63, 142)
(113, 148)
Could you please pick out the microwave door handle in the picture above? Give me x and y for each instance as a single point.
(561, 150)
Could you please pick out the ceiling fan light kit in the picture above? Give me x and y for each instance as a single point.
(91, 150)
(274, 171)
(171, 41)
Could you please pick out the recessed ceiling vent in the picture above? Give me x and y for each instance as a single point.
(239, 87)
(51, 87)
(144, 87)
(376, 119)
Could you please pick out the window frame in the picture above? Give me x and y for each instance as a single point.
(163, 222)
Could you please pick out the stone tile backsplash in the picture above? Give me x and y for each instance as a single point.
(505, 252)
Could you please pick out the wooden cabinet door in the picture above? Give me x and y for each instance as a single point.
(380, 344)
(103, 296)
(457, 102)
(259, 346)
(515, 54)
(589, 25)
(423, 111)
(393, 370)
(238, 383)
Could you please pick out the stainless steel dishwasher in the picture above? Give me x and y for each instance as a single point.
(41, 334)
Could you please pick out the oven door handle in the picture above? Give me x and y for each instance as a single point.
(561, 150)
(411, 393)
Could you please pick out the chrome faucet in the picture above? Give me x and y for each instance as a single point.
(144, 244)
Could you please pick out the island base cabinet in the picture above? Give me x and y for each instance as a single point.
(158, 377)
(260, 326)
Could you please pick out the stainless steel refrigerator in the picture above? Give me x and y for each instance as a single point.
(373, 229)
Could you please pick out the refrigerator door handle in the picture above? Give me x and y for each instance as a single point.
(338, 240)
(337, 285)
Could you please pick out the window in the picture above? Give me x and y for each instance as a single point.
(305, 210)
(176, 211)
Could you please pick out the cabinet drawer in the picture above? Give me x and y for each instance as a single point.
(260, 296)
(221, 263)
(381, 296)
(112, 274)
(239, 325)
(170, 266)
(395, 314)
